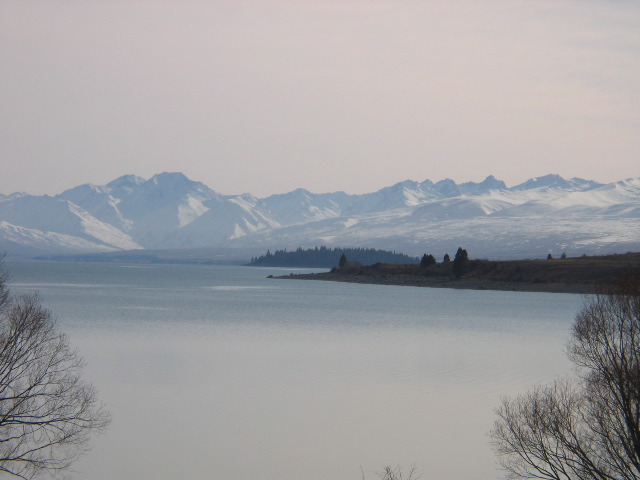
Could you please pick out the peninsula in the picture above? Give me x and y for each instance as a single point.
(582, 275)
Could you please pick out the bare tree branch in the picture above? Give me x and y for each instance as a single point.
(395, 473)
(47, 413)
(588, 428)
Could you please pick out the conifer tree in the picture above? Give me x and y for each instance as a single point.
(427, 260)
(460, 262)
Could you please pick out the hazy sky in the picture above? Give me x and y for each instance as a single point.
(267, 96)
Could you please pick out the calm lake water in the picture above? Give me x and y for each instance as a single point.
(217, 372)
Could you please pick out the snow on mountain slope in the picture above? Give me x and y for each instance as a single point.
(233, 217)
(162, 195)
(102, 201)
(545, 217)
(102, 231)
(170, 199)
(410, 194)
(300, 206)
(255, 215)
(616, 199)
(601, 197)
(30, 241)
(401, 196)
(169, 210)
(483, 236)
(48, 214)
(197, 217)
(622, 192)
(191, 209)
(487, 185)
(556, 181)
(467, 207)
(148, 210)
(124, 184)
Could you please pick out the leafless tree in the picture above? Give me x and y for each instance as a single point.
(47, 413)
(588, 428)
(396, 473)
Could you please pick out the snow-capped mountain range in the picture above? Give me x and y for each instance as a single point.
(169, 211)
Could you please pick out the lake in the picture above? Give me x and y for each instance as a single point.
(216, 372)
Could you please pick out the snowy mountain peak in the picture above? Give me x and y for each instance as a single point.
(169, 210)
(298, 193)
(125, 182)
(538, 182)
(632, 183)
(556, 181)
(493, 183)
(447, 188)
(585, 184)
(405, 184)
(169, 186)
(13, 196)
(488, 184)
(397, 188)
(170, 178)
(175, 182)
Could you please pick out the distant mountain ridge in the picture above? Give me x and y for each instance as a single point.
(170, 211)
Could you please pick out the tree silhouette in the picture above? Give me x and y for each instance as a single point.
(47, 413)
(460, 263)
(427, 260)
(588, 428)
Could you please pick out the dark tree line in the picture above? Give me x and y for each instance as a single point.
(427, 260)
(324, 257)
(461, 263)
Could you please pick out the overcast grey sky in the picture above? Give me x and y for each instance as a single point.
(267, 96)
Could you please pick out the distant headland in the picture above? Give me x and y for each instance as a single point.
(584, 275)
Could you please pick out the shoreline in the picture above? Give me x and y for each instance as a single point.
(442, 282)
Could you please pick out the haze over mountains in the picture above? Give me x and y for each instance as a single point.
(169, 211)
